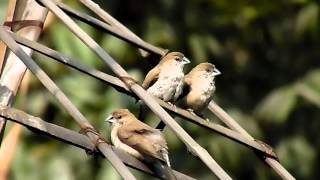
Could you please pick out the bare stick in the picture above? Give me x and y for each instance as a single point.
(71, 137)
(120, 86)
(230, 122)
(110, 29)
(112, 21)
(139, 91)
(73, 111)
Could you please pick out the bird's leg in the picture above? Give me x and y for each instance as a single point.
(192, 112)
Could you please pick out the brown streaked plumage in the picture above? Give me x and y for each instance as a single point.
(199, 87)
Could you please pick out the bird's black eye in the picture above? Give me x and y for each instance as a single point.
(178, 59)
(208, 70)
(119, 117)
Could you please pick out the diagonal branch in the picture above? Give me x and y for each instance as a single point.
(139, 91)
(110, 29)
(230, 122)
(71, 137)
(120, 86)
(62, 98)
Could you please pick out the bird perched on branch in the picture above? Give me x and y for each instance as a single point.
(140, 140)
(199, 86)
(165, 81)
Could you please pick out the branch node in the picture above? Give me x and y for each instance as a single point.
(98, 141)
(270, 152)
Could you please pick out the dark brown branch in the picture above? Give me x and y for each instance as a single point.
(139, 91)
(71, 137)
(62, 98)
(120, 86)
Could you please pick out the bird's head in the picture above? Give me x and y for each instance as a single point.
(174, 59)
(207, 69)
(119, 117)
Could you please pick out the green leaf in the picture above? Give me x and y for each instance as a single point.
(278, 105)
(307, 19)
(298, 155)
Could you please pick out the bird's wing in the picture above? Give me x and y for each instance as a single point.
(151, 77)
(145, 140)
(185, 89)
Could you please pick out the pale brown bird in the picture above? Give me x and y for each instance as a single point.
(199, 87)
(140, 140)
(165, 80)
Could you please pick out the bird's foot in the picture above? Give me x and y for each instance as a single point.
(192, 112)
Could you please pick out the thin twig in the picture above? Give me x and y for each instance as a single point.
(112, 21)
(120, 86)
(192, 145)
(62, 98)
(65, 135)
(110, 29)
(230, 122)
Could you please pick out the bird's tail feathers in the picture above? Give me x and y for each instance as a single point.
(163, 170)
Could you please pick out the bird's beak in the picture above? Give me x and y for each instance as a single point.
(110, 119)
(185, 60)
(216, 72)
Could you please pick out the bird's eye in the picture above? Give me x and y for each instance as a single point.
(119, 117)
(177, 59)
(208, 70)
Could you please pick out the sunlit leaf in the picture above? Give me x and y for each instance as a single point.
(276, 107)
(298, 155)
(307, 19)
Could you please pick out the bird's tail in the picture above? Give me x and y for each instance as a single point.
(163, 170)
(143, 111)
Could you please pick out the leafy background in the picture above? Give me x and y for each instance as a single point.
(268, 52)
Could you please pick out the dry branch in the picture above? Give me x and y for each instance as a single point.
(120, 86)
(71, 137)
(110, 29)
(62, 98)
(230, 122)
(139, 91)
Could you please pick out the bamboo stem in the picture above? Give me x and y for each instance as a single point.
(14, 70)
(139, 91)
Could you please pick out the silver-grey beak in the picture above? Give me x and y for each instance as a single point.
(216, 72)
(185, 60)
(110, 119)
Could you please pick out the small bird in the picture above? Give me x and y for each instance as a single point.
(199, 86)
(140, 140)
(165, 80)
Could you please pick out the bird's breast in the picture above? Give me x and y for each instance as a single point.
(120, 145)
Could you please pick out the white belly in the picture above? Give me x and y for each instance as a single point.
(168, 86)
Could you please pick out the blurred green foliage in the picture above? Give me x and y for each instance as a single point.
(268, 52)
